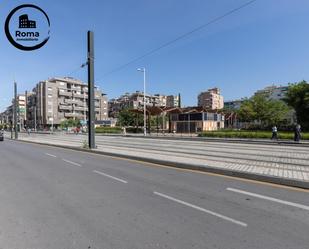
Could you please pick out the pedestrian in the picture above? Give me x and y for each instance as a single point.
(274, 133)
(297, 135)
(29, 130)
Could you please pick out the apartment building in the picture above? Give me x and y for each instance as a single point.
(211, 99)
(57, 99)
(172, 101)
(7, 117)
(233, 104)
(135, 101)
(273, 92)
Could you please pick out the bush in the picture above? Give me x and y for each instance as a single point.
(109, 130)
(250, 134)
(134, 130)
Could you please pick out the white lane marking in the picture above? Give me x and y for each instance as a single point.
(115, 178)
(293, 204)
(47, 154)
(202, 209)
(68, 161)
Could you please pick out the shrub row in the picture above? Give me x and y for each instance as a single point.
(108, 130)
(250, 134)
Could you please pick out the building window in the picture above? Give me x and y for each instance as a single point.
(50, 96)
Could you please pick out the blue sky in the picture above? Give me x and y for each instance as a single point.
(265, 43)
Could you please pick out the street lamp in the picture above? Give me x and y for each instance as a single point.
(52, 119)
(143, 70)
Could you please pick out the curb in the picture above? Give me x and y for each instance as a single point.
(256, 177)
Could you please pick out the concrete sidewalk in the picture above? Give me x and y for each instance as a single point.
(282, 164)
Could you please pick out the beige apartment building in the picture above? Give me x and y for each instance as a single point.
(135, 101)
(7, 116)
(172, 101)
(211, 99)
(57, 99)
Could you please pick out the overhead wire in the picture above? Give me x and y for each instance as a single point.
(166, 44)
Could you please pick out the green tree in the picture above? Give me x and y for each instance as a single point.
(298, 98)
(263, 110)
(246, 111)
(277, 112)
(126, 118)
(70, 123)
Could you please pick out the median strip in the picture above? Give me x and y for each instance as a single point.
(202, 209)
(292, 204)
(112, 177)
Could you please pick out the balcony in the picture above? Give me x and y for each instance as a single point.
(77, 108)
(81, 96)
(76, 88)
(73, 115)
(65, 107)
(70, 101)
(81, 103)
(65, 93)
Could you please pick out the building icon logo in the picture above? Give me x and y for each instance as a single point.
(25, 23)
(24, 33)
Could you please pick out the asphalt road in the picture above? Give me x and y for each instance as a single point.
(57, 198)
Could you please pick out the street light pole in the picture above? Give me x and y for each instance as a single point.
(91, 110)
(35, 118)
(52, 124)
(144, 72)
(15, 110)
(84, 108)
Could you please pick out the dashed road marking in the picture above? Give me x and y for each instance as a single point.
(202, 209)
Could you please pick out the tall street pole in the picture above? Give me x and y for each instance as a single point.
(15, 110)
(52, 124)
(145, 116)
(35, 118)
(91, 111)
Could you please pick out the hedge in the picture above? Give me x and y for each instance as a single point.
(108, 130)
(251, 134)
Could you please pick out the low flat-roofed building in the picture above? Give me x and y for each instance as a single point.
(196, 119)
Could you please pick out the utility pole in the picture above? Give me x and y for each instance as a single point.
(143, 70)
(15, 110)
(52, 120)
(91, 111)
(35, 118)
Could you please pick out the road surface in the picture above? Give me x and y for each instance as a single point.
(58, 198)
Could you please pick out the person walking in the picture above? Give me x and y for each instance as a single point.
(274, 133)
(297, 135)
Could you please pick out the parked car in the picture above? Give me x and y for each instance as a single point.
(1, 136)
